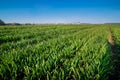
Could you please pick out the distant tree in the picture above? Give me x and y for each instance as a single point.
(1, 22)
(15, 24)
(27, 23)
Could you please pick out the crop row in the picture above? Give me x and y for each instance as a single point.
(53, 52)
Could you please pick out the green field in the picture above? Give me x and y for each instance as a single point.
(57, 52)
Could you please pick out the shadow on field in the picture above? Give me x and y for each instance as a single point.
(115, 59)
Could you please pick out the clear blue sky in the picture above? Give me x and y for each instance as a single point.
(60, 11)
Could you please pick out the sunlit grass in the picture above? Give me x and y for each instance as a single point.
(55, 52)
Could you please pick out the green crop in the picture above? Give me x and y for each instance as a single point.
(56, 52)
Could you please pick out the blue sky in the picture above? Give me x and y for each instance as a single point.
(60, 11)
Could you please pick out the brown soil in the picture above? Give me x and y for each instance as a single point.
(111, 39)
